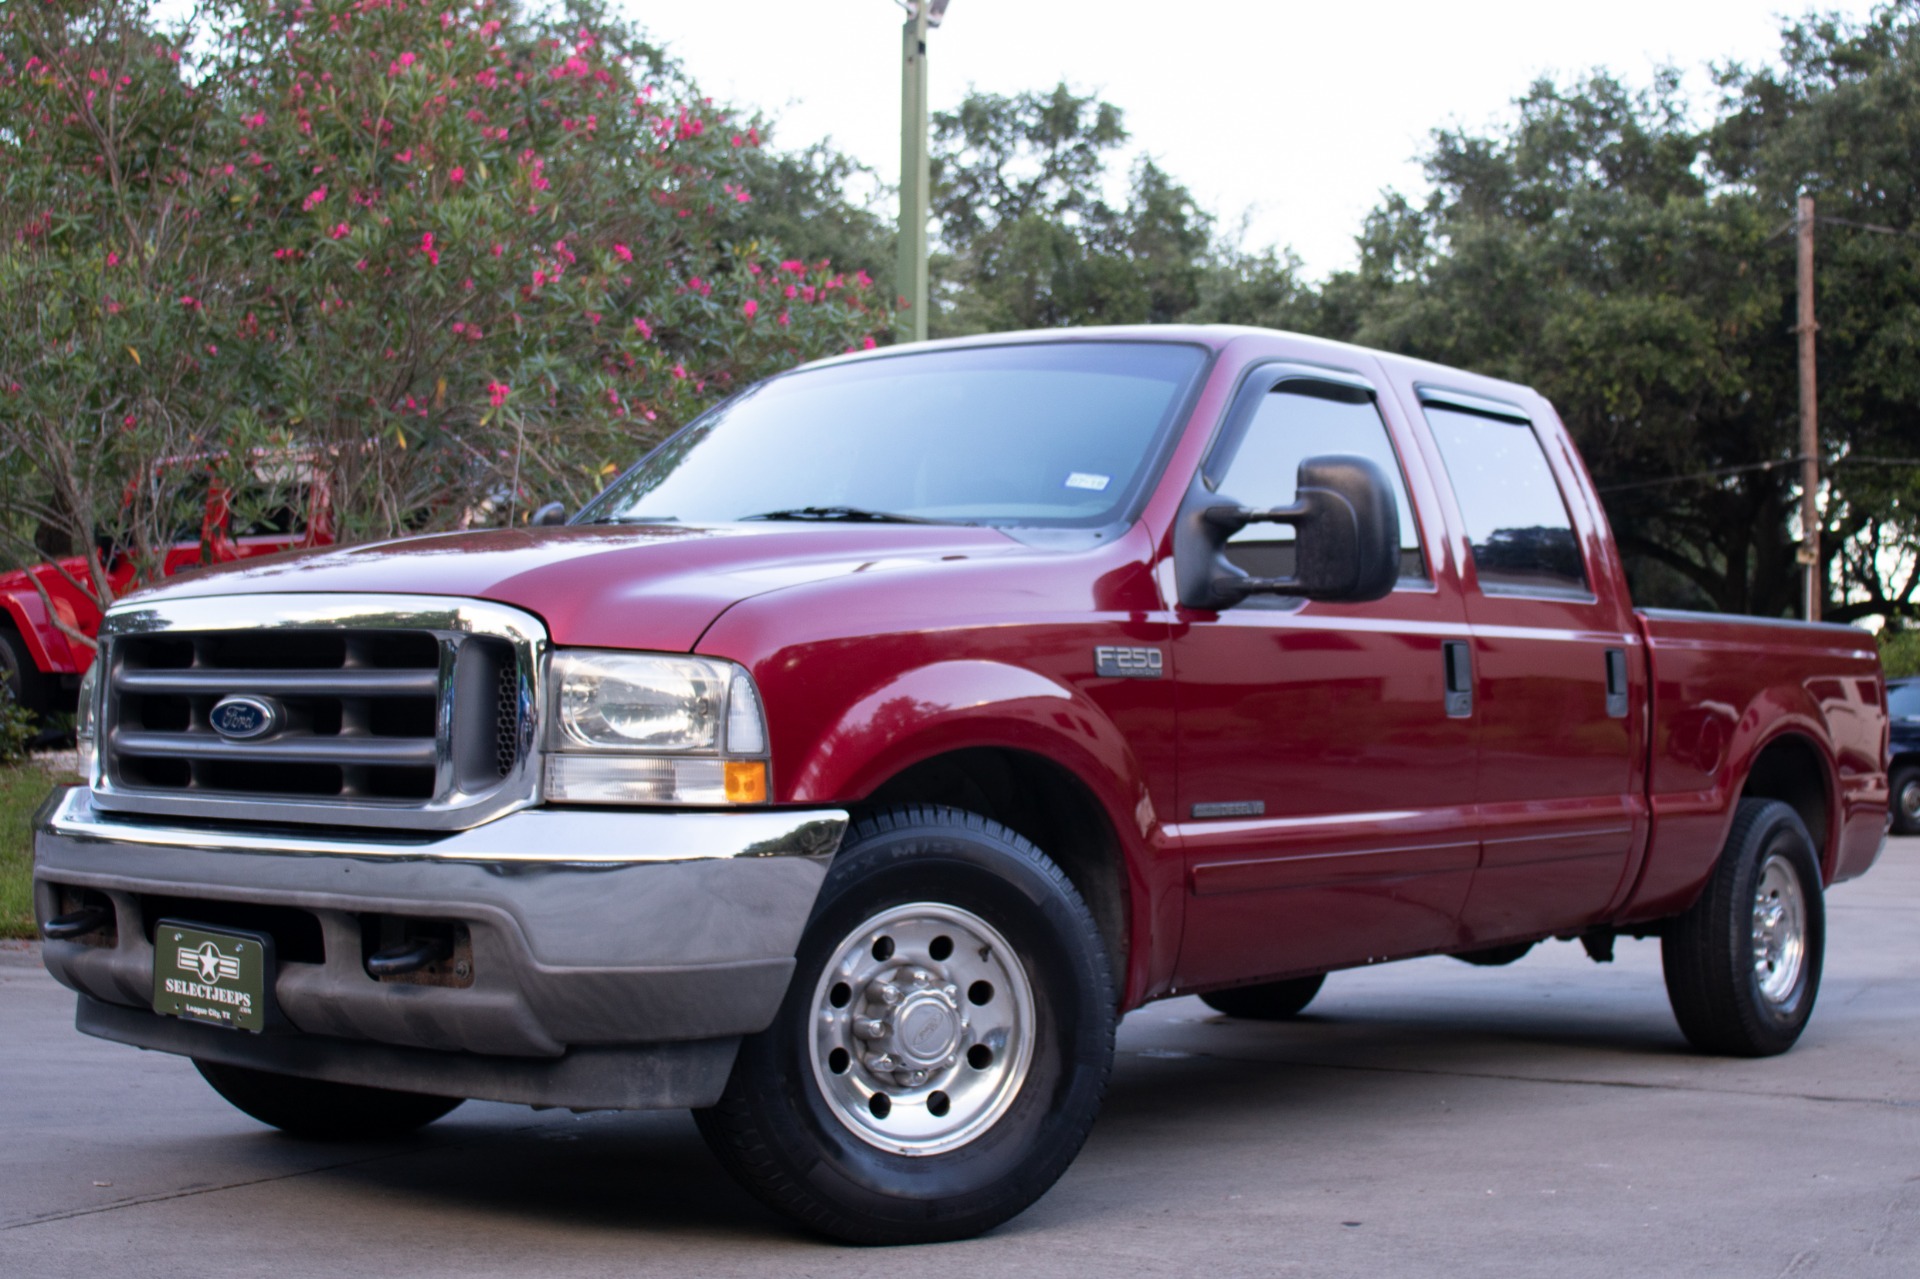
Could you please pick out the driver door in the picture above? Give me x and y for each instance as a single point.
(1326, 783)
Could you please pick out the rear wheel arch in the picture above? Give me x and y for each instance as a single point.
(1793, 769)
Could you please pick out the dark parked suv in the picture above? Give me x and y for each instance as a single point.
(1903, 753)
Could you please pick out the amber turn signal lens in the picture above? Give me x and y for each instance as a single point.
(746, 781)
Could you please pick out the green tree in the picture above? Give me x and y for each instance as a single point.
(1027, 236)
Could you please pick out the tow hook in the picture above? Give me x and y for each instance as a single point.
(76, 924)
(409, 956)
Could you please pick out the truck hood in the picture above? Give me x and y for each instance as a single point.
(643, 586)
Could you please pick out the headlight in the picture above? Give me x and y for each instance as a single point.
(85, 746)
(642, 728)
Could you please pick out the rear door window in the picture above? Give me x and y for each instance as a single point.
(1522, 538)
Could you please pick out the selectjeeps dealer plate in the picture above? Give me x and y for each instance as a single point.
(220, 978)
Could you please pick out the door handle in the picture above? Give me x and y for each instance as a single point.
(1459, 663)
(1616, 683)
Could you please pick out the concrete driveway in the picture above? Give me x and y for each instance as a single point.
(1426, 1119)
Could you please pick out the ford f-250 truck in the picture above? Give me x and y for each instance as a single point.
(848, 766)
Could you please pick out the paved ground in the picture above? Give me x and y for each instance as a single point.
(1427, 1119)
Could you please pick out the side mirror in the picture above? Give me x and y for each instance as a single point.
(1346, 539)
(553, 513)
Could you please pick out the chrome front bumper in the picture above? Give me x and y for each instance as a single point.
(590, 931)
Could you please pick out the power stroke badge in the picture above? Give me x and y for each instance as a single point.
(217, 977)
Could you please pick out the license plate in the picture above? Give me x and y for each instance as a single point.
(213, 976)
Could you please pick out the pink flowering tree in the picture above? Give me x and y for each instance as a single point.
(475, 259)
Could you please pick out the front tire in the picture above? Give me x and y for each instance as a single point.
(322, 1111)
(943, 1047)
(1905, 785)
(1743, 963)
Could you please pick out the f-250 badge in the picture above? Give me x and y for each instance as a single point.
(1128, 663)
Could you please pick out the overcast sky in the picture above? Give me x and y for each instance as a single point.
(1298, 114)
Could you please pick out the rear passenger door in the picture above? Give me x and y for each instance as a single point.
(1325, 792)
(1553, 679)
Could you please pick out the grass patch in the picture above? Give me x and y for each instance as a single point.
(22, 787)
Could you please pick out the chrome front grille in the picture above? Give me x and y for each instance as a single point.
(392, 710)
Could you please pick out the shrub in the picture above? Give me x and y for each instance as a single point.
(475, 258)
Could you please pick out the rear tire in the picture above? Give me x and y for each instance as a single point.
(319, 1110)
(1743, 964)
(943, 1047)
(1905, 786)
(1269, 1001)
(25, 681)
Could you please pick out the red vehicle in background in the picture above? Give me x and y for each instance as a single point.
(288, 506)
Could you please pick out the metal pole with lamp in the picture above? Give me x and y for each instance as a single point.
(910, 270)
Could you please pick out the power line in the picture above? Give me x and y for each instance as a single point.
(1745, 468)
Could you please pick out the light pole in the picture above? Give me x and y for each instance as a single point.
(910, 269)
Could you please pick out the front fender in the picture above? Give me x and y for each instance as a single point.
(946, 706)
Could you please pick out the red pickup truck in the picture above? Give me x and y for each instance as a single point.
(852, 763)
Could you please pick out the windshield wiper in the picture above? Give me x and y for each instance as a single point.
(853, 514)
(638, 519)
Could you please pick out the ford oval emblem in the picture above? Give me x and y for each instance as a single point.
(241, 718)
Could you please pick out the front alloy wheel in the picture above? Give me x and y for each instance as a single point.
(923, 1029)
(944, 1044)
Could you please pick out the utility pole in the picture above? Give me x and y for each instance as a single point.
(1809, 555)
(910, 269)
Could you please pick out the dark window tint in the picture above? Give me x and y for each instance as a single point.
(1903, 701)
(1058, 434)
(1523, 542)
(1291, 425)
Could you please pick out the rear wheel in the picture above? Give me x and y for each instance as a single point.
(28, 686)
(1906, 799)
(1743, 964)
(1270, 1001)
(322, 1111)
(943, 1047)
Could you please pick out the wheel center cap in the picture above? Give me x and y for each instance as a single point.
(927, 1030)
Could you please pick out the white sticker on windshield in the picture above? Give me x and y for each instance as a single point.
(1082, 480)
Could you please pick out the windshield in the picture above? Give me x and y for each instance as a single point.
(1057, 434)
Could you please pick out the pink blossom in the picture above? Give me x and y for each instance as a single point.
(487, 29)
(256, 120)
(794, 266)
(680, 370)
(498, 392)
(594, 317)
(189, 301)
(622, 252)
(862, 279)
(405, 157)
(113, 259)
(399, 65)
(792, 292)
(341, 231)
(785, 319)
(867, 343)
(498, 249)
(426, 247)
(314, 200)
(467, 284)
(644, 329)
(456, 175)
(751, 309)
